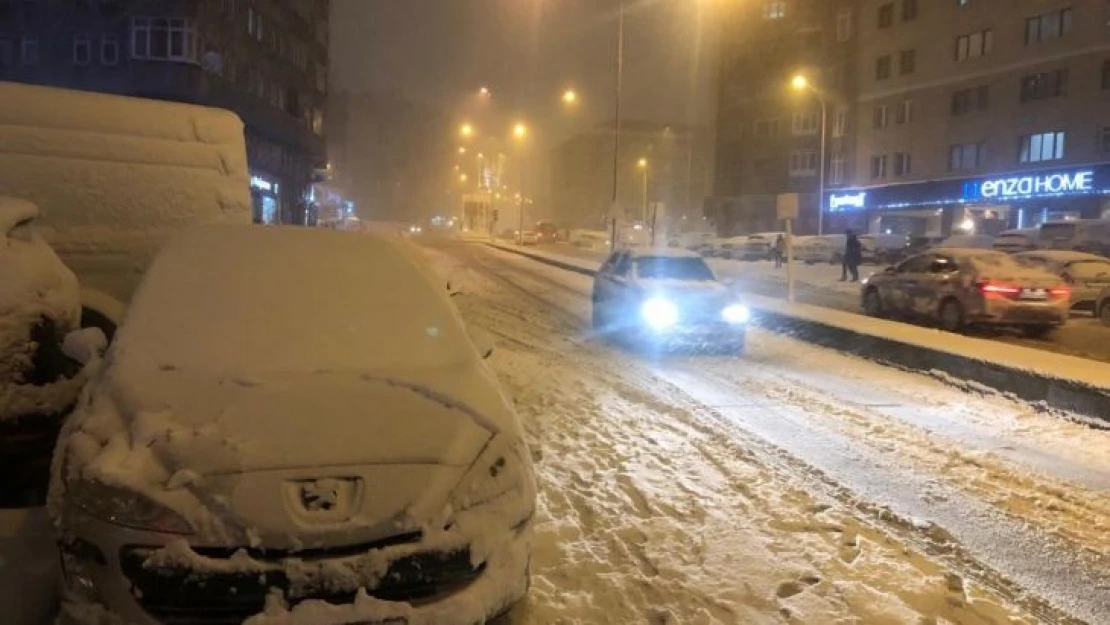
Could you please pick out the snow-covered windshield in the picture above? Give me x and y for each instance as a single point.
(673, 268)
(253, 299)
(1051, 232)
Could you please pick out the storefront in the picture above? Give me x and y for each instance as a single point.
(265, 199)
(985, 205)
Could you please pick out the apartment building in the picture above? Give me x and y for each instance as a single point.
(978, 116)
(768, 134)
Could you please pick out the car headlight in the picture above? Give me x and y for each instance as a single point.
(503, 469)
(736, 313)
(659, 313)
(125, 507)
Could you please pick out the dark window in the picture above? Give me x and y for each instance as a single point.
(1046, 26)
(886, 15)
(907, 62)
(878, 166)
(967, 157)
(29, 52)
(968, 100)
(882, 67)
(909, 10)
(7, 57)
(982, 97)
(1104, 139)
(974, 45)
(901, 163)
(881, 117)
(82, 50)
(1106, 74)
(1044, 85)
(109, 50)
(905, 112)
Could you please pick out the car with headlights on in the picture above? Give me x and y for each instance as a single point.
(297, 422)
(960, 287)
(667, 298)
(1087, 274)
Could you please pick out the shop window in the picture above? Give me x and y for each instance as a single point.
(1040, 147)
(1044, 85)
(881, 117)
(1047, 26)
(905, 112)
(907, 62)
(82, 50)
(886, 15)
(967, 157)
(109, 50)
(909, 10)
(844, 24)
(974, 45)
(840, 123)
(878, 166)
(803, 163)
(805, 123)
(902, 163)
(882, 67)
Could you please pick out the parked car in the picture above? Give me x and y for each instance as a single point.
(828, 248)
(1102, 307)
(528, 237)
(918, 244)
(730, 247)
(883, 248)
(1014, 241)
(667, 298)
(969, 241)
(958, 287)
(589, 239)
(1087, 274)
(759, 246)
(1078, 235)
(229, 455)
(40, 303)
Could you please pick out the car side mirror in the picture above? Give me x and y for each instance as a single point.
(483, 341)
(85, 345)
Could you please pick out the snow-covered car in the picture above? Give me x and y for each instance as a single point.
(322, 443)
(827, 248)
(758, 246)
(667, 298)
(1019, 240)
(40, 304)
(1087, 274)
(882, 248)
(958, 287)
(528, 237)
(1102, 307)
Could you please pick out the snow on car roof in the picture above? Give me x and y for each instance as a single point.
(254, 299)
(1063, 256)
(664, 252)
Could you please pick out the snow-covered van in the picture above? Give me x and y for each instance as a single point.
(1078, 235)
(114, 176)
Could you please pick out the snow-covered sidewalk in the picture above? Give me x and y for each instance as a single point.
(656, 509)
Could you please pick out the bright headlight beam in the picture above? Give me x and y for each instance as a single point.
(659, 313)
(736, 313)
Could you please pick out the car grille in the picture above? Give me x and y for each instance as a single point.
(188, 597)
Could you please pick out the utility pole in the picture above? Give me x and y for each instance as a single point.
(617, 125)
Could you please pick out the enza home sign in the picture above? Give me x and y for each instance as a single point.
(1032, 186)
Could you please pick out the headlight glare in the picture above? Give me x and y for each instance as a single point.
(125, 507)
(736, 313)
(659, 313)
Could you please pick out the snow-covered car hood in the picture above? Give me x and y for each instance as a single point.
(209, 424)
(682, 289)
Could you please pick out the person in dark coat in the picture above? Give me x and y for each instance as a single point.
(853, 257)
(779, 250)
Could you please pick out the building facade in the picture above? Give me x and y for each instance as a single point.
(768, 134)
(663, 172)
(266, 60)
(976, 116)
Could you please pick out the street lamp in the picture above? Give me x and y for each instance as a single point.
(570, 97)
(800, 83)
(466, 130)
(617, 124)
(463, 178)
(520, 131)
(462, 150)
(484, 92)
(642, 164)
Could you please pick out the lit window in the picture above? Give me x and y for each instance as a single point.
(837, 169)
(840, 123)
(878, 166)
(774, 10)
(1040, 147)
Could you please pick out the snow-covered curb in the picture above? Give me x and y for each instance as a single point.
(1057, 381)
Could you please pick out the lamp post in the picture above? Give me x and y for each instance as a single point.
(800, 83)
(642, 164)
(617, 123)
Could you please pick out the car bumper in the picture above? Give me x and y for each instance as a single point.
(104, 577)
(1019, 314)
(698, 336)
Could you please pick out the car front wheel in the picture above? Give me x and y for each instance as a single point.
(873, 304)
(1104, 314)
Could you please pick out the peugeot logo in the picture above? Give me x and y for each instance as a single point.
(320, 495)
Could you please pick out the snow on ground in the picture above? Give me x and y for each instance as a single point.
(658, 507)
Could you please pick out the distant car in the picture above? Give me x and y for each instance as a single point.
(883, 249)
(231, 458)
(1087, 275)
(828, 248)
(1079, 235)
(758, 246)
(528, 237)
(667, 298)
(968, 241)
(918, 244)
(957, 288)
(40, 303)
(1014, 241)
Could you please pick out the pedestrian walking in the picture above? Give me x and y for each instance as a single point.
(853, 256)
(779, 250)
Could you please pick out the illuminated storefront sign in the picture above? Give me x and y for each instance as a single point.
(260, 183)
(845, 201)
(1032, 186)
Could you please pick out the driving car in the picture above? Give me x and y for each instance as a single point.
(960, 287)
(235, 457)
(667, 298)
(1102, 306)
(1086, 274)
(40, 303)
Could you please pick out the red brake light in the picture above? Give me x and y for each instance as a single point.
(999, 288)
(1060, 292)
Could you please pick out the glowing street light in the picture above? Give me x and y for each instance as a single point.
(801, 83)
(520, 131)
(484, 92)
(462, 150)
(570, 97)
(642, 163)
(463, 178)
(466, 130)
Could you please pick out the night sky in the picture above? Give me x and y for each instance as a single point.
(527, 52)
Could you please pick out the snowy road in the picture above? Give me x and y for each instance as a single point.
(793, 485)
